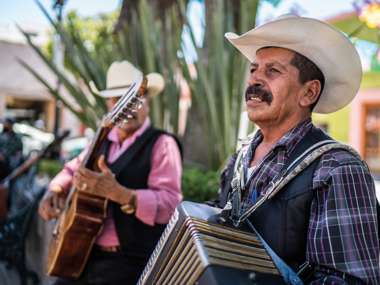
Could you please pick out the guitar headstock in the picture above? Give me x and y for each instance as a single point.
(129, 103)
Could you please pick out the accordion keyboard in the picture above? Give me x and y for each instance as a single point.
(190, 245)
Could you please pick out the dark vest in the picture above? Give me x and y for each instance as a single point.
(132, 169)
(283, 221)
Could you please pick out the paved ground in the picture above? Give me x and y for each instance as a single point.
(35, 254)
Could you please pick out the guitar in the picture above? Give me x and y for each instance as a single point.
(25, 166)
(82, 217)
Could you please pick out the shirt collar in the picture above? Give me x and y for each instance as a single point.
(113, 137)
(290, 139)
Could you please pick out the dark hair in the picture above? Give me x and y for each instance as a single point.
(308, 71)
(9, 120)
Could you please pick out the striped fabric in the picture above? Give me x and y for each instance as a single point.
(343, 234)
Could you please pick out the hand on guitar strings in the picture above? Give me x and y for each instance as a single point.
(103, 183)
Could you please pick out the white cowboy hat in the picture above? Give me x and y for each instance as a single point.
(324, 45)
(120, 76)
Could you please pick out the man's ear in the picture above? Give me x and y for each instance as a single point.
(310, 93)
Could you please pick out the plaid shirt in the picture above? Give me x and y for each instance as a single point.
(343, 232)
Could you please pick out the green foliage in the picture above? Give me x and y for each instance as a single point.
(151, 41)
(87, 106)
(355, 28)
(96, 35)
(49, 167)
(199, 185)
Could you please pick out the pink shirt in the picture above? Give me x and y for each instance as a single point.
(155, 204)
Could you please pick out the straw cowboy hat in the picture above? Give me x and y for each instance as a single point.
(324, 45)
(120, 76)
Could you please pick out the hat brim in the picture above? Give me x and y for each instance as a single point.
(110, 93)
(324, 45)
(156, 84)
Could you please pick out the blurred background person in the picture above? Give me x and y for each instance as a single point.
(10, 148)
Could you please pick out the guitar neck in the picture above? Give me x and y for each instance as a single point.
(90, 160)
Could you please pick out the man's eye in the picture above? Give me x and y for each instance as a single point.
(252, 70)
(273, 70)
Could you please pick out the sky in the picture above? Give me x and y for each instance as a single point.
(26, 14)
(26, 11)
(321, 9)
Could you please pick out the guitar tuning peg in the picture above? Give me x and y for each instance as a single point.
(139, 105)
(116, 119)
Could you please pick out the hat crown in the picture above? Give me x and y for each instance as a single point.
(121, 74)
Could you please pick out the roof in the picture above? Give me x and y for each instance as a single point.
(15, 80)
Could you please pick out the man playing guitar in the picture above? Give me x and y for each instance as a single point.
(139, 174)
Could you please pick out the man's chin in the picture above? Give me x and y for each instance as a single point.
(256, 115)
(127, 127)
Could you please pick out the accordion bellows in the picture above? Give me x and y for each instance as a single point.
(193, 250)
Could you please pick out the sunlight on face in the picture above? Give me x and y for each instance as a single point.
(272, 72)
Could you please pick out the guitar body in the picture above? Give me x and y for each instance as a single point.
(76, 233)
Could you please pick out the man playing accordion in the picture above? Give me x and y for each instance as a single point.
(326, 216)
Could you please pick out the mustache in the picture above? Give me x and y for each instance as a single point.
(254, 91)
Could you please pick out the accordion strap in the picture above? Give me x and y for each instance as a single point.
(294, 169)
(289, 275)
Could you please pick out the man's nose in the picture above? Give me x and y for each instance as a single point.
(255, 79)
(256, 83)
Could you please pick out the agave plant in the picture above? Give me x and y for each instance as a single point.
(86, 105)
(221, 71)
(140, 42)
(151, 39)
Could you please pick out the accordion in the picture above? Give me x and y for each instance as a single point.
(193, 250)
